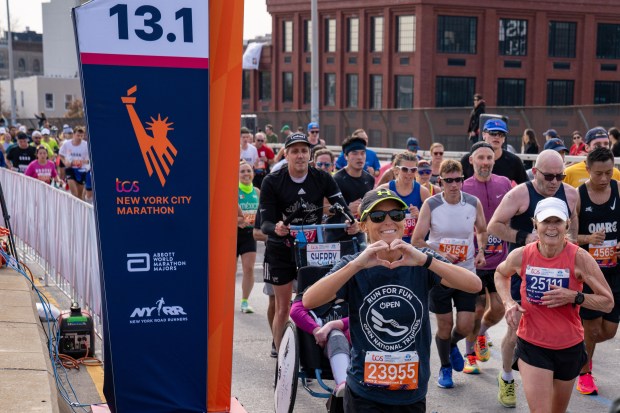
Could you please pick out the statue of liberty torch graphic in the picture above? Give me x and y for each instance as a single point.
(157, 151)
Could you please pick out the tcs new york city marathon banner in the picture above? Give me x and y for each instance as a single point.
(145, 77)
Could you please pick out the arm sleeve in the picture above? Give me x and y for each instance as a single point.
(301, 318)
(267, 205)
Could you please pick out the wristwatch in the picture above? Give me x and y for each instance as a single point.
(579, 298)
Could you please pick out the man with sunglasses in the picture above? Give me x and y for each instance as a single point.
(449, 219)
(490, 189)
(598, 234)
(506, 164)
(353, 182)
(577, 174)
(313, 135)
(265, 159)
(512, 222)
(294, 195)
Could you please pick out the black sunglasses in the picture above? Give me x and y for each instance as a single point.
(424, 171)
(450, 180)
(396, 215)
(324, 164)
(438, 153)
(551, 177)
(501, 134)
(314, 131)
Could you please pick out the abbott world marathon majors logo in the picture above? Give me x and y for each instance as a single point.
(159, 313)
(391, 317)
(158, 261)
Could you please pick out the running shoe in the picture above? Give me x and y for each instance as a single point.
(245, 308)
(506, 394)
(456, 359)
(482, 349)
(586, 385)
(471, 366)
(445, 378)
(274, 352)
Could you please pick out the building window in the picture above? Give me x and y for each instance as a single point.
(287, 86)
(307, 36)
(245, 84)
(307, 87)
(264, 85)
(562, 39)
(49, 101)
(352, 90)
(456, 34)
(353, 40)
(68, 101)
(454, 91)
(36, 66)
(2, 60)
(608, 41)
(512, 37)
(376, 34)
(560, 92)
(510, 92)
(376, 91)
(330, 35)
(21, 94)
(287, 38)
(405, 32)
(21, 65)
(330, 90)
(403, 92)
(606, 92)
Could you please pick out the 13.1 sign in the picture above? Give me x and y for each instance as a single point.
(151, 18)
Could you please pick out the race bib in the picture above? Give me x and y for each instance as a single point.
(494, 246)
(310, 234)
(409, 224)
(454, 246)
(323, 254)
(396, 371)
(538, 281)
(604, 254)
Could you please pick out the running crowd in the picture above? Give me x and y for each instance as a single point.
(484, 235)
(58, 158)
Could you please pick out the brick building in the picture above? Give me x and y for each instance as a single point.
(437, 54)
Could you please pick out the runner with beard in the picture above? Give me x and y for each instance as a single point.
(512, 222)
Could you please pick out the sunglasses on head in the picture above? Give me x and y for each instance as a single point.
(424, 171)
(396, 215)
(438, 153)
(407, 169)
(551, 177)
(324, 164)
(450, 180)
(496, 133)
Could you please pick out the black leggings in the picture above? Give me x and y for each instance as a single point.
(357, 404)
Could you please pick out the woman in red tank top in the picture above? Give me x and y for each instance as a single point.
(550, 350)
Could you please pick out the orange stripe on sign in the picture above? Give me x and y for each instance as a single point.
(226, 50)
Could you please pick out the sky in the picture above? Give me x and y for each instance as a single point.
(27, 13)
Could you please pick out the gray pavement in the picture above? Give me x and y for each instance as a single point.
(253, 370)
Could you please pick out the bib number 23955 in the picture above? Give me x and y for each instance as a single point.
(396, 371)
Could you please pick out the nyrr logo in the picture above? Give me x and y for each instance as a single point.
(157, 151)
(127, 186)
(160, 313)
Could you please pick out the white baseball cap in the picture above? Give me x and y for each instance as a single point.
(551, 207)
(45, 131)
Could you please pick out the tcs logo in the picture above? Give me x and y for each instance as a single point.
(127, 186)
(377, 358)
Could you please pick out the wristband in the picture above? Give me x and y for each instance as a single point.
(429, 259)
(521, 237)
